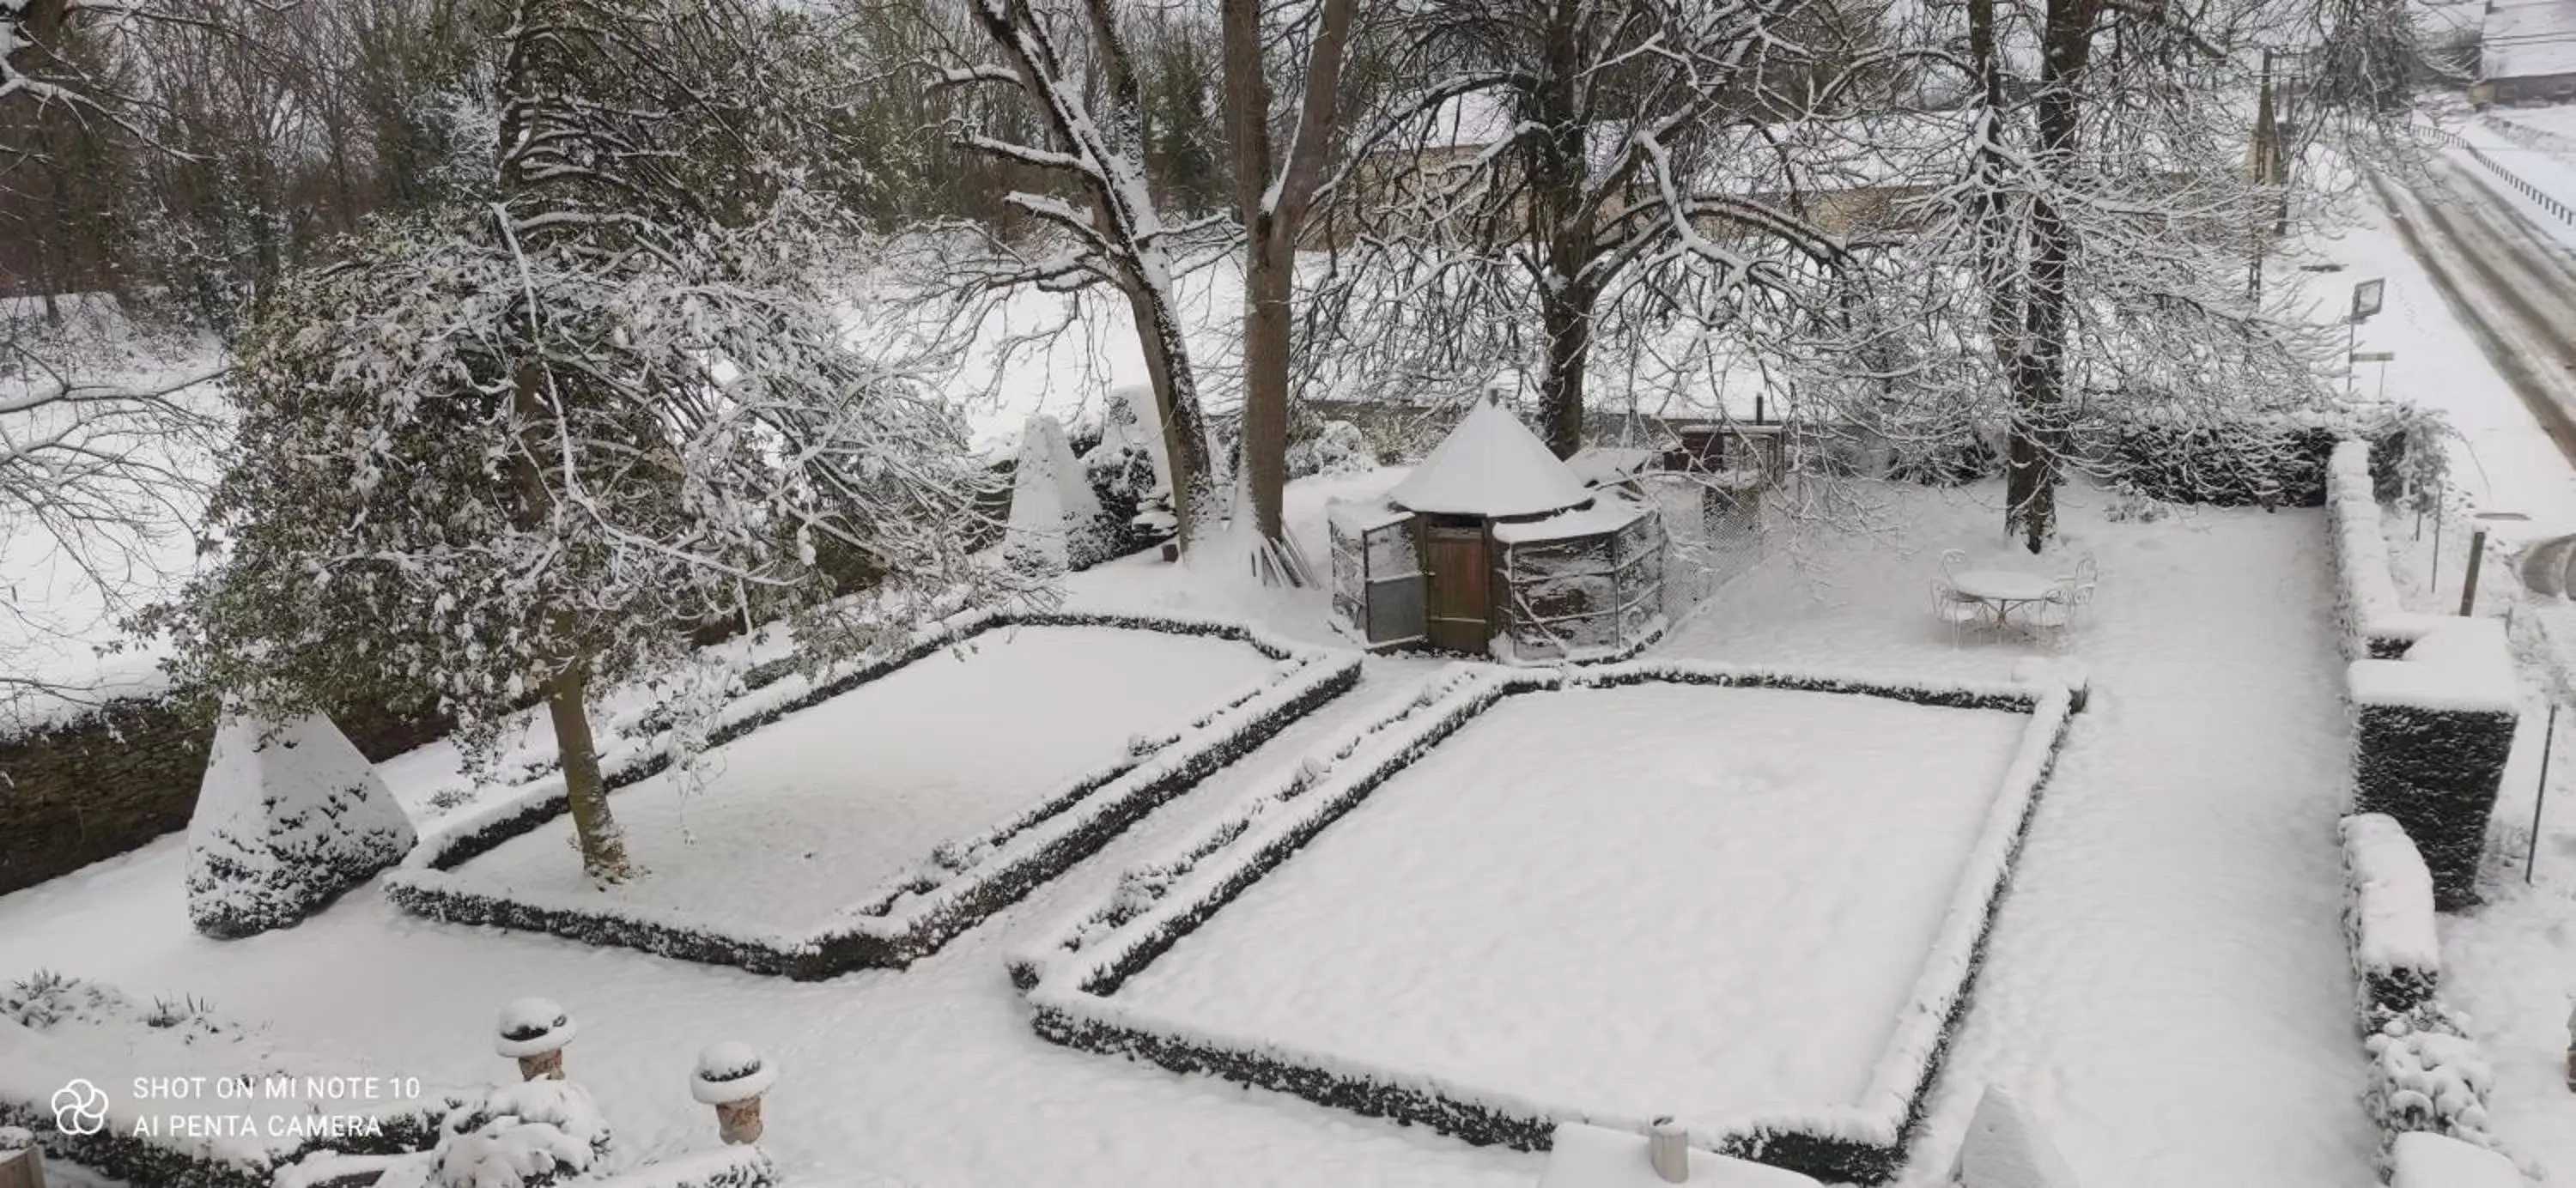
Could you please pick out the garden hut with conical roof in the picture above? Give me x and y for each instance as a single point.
(1494, 546)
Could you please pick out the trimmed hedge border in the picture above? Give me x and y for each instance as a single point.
(2437, 772)
(1071, 984)
(963, 885)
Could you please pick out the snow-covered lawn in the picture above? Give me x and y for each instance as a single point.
(1659, 899)
(2166, 986)
(809, 814)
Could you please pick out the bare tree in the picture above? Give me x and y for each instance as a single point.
(1274, 190)
(1625, 165)
(1112, 232)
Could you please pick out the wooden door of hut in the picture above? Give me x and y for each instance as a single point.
(1459, 604)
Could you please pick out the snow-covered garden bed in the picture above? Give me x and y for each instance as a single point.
(1752, 898)
(863, 830)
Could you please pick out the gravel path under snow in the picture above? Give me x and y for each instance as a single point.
(1659, 899)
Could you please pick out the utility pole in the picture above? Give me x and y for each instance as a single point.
(2266, 163)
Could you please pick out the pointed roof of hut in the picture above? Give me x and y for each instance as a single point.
(1491, 465)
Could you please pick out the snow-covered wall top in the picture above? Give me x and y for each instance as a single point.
(2524, 38)
(2372, 609)
(2460, 666)
(2392, 898)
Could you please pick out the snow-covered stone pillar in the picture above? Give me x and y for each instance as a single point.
(731, 1077)
(535, 1030)
(1668, 1150)
(21, 1164)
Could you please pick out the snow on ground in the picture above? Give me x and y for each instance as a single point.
(814, 812)
(2166, 986)
(1659, 899)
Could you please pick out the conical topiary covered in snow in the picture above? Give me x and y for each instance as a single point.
(1055, 518)
(288, 818)
(2004, 1149)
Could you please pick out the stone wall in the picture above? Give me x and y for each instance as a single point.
(113, 778)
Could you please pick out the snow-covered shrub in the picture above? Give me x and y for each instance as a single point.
(519, 1136)
(2131, 506)
(1055, 518)
(2004, 1148)
(1337, 447)
(1127, 475)
(2388, 918)
(2425, 1075)
(288, 818)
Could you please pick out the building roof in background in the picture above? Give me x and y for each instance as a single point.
(2528, 38)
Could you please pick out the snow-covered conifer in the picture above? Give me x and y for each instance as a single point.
(289, 817)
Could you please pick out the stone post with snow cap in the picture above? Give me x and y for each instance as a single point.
(731, 1077)
(22, 1165)
(535, 1030)
(1668, 1150)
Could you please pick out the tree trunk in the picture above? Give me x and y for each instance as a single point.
(603, 844)
(1176, 397)
(1567, 315)
(2039, 388)
(1267, 328)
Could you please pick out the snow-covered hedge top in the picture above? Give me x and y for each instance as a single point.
(534, 1027)
(16, 1138)
(2369, 586)
(2392, 897)
(730, 1072)
(2458, 666)
(2425, 1160)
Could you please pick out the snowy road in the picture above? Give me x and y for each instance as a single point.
(2513, 289)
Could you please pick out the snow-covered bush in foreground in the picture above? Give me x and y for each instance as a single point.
(2388, 918)
(2425, 1075)
(520, 1136)
(1072, 984)
(288, 818)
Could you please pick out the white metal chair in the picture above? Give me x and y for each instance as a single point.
(2055, 615)
(1958, 610)
(1951, 562)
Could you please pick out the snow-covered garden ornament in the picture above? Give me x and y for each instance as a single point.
(288, 817)
(731, 1077)
(534, 1031)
